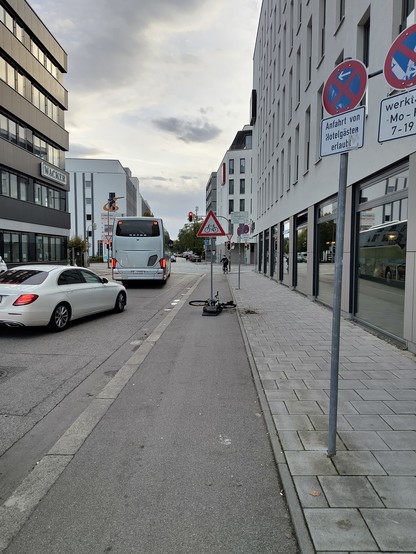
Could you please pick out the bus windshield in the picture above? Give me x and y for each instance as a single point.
(137, 228)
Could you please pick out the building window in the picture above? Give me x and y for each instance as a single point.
(381, 252)
(284, 261)
(15, 247)
(307, 149)
(230, 206)
(408, 7)
(319, 117)
(309, 53)
(242, 165)
(296, 165)
(231, 166)
(340, 11)
(242, 186)
(326, 235)
(298, 65)
(242, 205)
(322, 21)
(230, 186)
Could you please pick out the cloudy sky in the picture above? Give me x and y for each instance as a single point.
(161, 85)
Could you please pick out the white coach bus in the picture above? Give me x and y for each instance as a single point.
(141, 250)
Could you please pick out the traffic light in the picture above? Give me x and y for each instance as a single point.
(190, 216)
(228, 245)
(111, 201)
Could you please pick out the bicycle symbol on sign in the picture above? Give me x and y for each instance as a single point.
(211, 228)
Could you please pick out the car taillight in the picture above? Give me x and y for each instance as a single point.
(162, 262)
(25, 299)
(113, 263)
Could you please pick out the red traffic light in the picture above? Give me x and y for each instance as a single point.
(190, 216)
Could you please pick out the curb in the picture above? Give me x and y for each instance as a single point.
(295, 509)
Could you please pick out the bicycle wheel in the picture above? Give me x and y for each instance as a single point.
(198, 302)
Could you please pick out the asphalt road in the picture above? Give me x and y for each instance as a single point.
(181, 461)
(52, 377)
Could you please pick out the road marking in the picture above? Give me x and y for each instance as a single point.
(23, 501)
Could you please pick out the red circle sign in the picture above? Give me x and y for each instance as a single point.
(345, 87)
(400, 63)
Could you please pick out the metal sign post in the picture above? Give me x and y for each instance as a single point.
(211, 228)
(342, 92)
(336, 307)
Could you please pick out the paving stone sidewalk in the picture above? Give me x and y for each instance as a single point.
(364, 498)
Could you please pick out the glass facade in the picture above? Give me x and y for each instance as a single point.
(381, 254)
(285, 261)
(325, 248)
(301, 252)
(274, 267)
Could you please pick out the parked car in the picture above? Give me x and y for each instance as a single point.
(194, 258)
(173, 258)
(54, 295)
(3, 266)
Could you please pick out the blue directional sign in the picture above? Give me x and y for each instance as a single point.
(345, 87)
(400, 62)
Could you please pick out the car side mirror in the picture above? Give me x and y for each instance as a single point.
(104, 280)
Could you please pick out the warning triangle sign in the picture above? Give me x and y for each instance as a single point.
(211, 227)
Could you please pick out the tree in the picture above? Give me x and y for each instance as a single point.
(187, 239)
(148, 214)
(76, 249)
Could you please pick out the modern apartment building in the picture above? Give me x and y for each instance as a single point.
(298, 45)
(234, 193)
(91, 183)
(34, 215)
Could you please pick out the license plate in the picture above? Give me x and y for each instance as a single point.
(138, 272)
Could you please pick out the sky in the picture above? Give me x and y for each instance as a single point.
(162, 86)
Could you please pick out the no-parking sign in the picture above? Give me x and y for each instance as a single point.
(400, 62)
(345, 87)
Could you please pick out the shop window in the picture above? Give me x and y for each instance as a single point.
(325, 247)
(285, 252)
(302, 252)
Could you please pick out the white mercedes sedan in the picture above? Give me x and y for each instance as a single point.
(53, 295)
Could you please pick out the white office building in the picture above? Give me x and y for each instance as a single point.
(92, 182)
(234, 194)
(299, 43)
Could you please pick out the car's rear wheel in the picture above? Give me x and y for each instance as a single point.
(60, 317)
(120, 302)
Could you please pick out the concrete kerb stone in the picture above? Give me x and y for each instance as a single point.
(295, 509)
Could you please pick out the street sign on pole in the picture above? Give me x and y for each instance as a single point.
(342, 133)
(239, 217)
(400, 62)
(397, 116)
(345, 87)
(211, 227)
(343, 91)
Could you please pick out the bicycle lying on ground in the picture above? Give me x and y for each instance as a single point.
(212, 306)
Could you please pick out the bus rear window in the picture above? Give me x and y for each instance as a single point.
(137, 228)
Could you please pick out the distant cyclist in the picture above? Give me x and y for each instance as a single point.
(224, 261)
